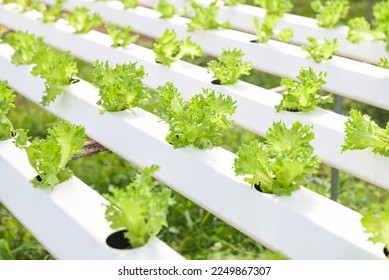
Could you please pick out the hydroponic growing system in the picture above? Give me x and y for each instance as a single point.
(304, 225)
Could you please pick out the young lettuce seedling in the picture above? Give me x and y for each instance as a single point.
(141, 207)
(120, 87)
(50, 156)
(83, 20)
(361, 133)
(381, 15)
(376, 222)
(285, 35)
(58, 70)
(383, 62)
(168, 49)
(229, 66)
(166, 9)
(280, 164)
(303, 97)
(275, 7)
(129, 4)
(201, 122)
(25, 45)
(121, 37)
(205, 17)
(330, 14)
(52, 14)
(360, 29)
(320, 51)
(7, 98)
(264, 31)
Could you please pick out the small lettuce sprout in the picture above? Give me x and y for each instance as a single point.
(320, 51)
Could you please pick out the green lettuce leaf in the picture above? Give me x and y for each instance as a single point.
(50, 156)
(205, 17)
(330, 13)
(120, 86)
(7, 98)
(303, 97)
(280, 164)
(361, 133)
(168, 49)
(200, 122)
(166, 9)
(141, 207)
(229, 66)
(376, 222)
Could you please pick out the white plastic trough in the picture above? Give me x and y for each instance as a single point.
(69, 221)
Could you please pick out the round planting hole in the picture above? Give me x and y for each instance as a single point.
(118, 241)
(254, 41)
(38, 177)
(258, 187)
(216, 82)
(73, 81)
(293, 110)
(386, 252)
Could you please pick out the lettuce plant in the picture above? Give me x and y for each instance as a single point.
(58, 70)
(303, 96)
(166, 9)
(383, 62)
(381, 15)
(229, 66)
(205, 17)
(285, 35)
(361, 133)
(53, 13)
(83, 20)
(200, 122)
(129, 4)
(7, 98)
(275, 7)
(120, 86)
(50, 156)
(360, 29)
(121, 37)
(25, 46)
(376, 222)
(320, 51)
(264, 31)
(330, 13)
(280, 164)
(168, 49)
(141, 207)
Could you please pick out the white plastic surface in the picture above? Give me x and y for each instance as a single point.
(356, 80)
(305, 225)
(69, 221)
(255, 105)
